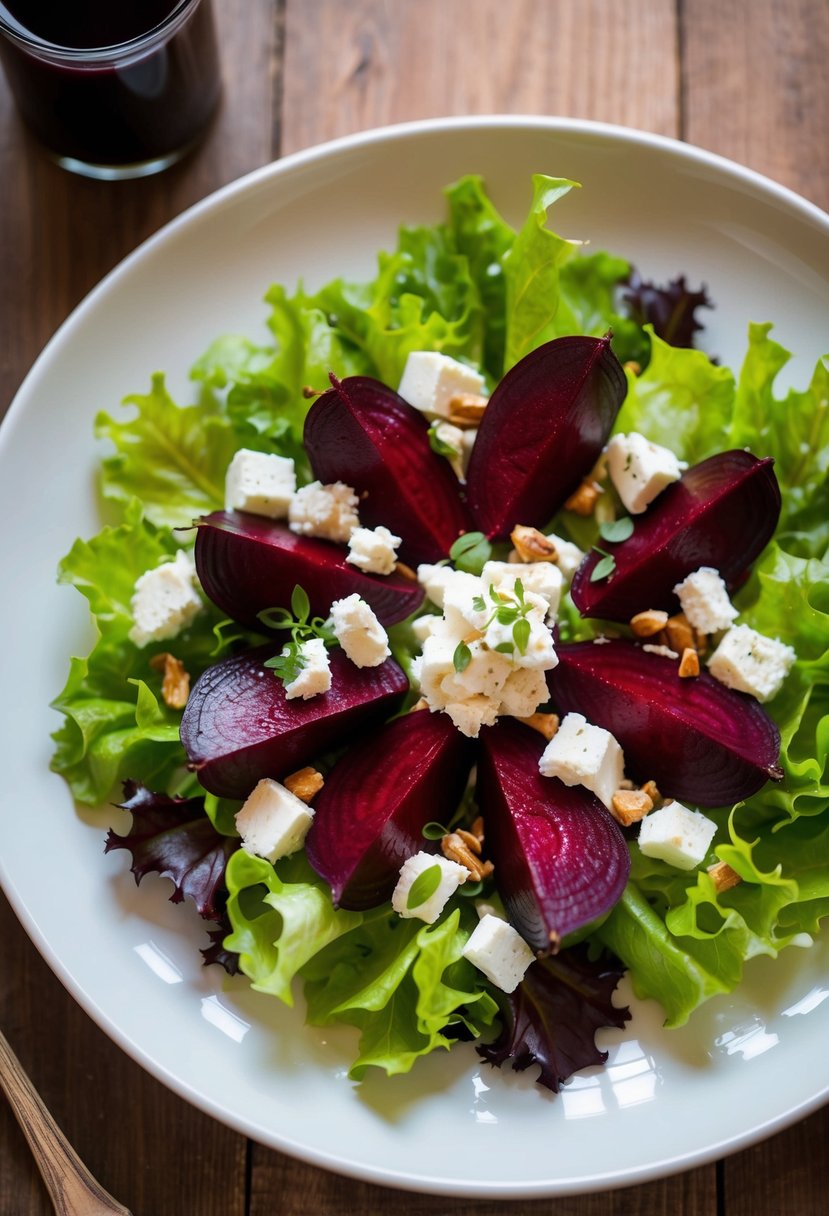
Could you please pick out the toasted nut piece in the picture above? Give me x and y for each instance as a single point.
(583, 500)
(406, 571)
(680, 634)
(532, 545)
(700, 641)
(467, 409)
(477, 829)
(723, 877)
(626, 784)
(545, 724)
(689, 663)
(456, 849)
(418, 705)
(175, 683)
(650, 788)
(629, 806)
(646, 624)
(305, 783)
(632, 366)
(470, 839)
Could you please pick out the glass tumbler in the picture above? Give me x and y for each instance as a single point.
(112, 88)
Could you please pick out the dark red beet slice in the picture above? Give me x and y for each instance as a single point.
(721, 513)
(696, 738)
(369, 817)
(560, 858)
(542, 432)
(238, 725)
(364, 434)
(246, 563)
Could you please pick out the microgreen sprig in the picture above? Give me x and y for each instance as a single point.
(441, 447)
(508, 610)
(288, 664)
(471, 552)
(614, 531)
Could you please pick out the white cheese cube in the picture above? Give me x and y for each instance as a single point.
(459, 610)
(451, 877)
(432, 666)
(359, 632)
(430, 381)
(470, 715)
(752, 663)
(568, 556)
(640, 470)
(260, 483)
(424, 626)
(677, 835)
(273, 822)
(582, 754)
(523, 692)
(539, 651)
(486, 673)
(703, 597)
(373, 550)
(315, 676)
(435, 579)
(544, 579)
(329, 512)
(164, 601)
(500, 952)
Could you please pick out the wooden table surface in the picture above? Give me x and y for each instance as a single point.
(747, 79)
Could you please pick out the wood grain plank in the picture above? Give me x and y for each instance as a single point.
(789, 1173)
(756, 88)
(370, 62)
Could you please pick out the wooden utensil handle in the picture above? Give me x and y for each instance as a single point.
(73, 1189)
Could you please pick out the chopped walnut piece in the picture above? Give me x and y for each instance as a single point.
(545, 724)
(466, 409)
(680, 634)
(583, 500)
(422, 703)
(651, 789)
(723, 877)
(175, 683)
(629, 806)
(646, 624)
(470, 839)
(305, 783)
(457, 849)
(689, 663)
(532, 545)
(404, 570)
(477, 829)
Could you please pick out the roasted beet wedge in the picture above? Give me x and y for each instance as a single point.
(369, 817)
(542, 432)
(721, 513)
(697, 739)
(239, 726)
(364, 434)
(246, 563)
(560, 858)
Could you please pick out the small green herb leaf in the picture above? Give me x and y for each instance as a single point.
(300, 604)
(478, 603)
(462, 657)
(470, 552)
(424, 887)
(506, 614)
(440, 446)
(605, 567)
(519, 591)
(521, 634)
(276, 618)
(616, 530)
(289, 663)
(434, 830)
(504, 648)
(470, 889)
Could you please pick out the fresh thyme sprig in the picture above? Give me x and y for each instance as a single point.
(288, 664)
(508, 610)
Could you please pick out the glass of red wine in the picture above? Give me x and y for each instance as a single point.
(112, 88)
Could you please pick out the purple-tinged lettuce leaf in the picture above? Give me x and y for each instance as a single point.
(671, 309)
(174, 838)
(217, 952)
(552, 1017)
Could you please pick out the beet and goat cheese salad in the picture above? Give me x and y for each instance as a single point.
(466, 645)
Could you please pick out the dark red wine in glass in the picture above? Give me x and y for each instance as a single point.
(114, 88)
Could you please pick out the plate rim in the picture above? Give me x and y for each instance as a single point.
(266, 176)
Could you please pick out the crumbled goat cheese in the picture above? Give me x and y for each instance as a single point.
(164, 600)
(568, 556)
(640, 470)
(435, 579)
(329, 512)
(703, 597)
(373, 550)
(544, 579)
(273, 822)
(499, 951)
(657, 648)
(315, 676)
(451, 877)
(677, 835)
(430, 381)
(752, 663)
(359, 632)
(582, 754)
(261, 483)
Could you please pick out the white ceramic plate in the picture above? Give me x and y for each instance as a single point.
(747, 1065)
